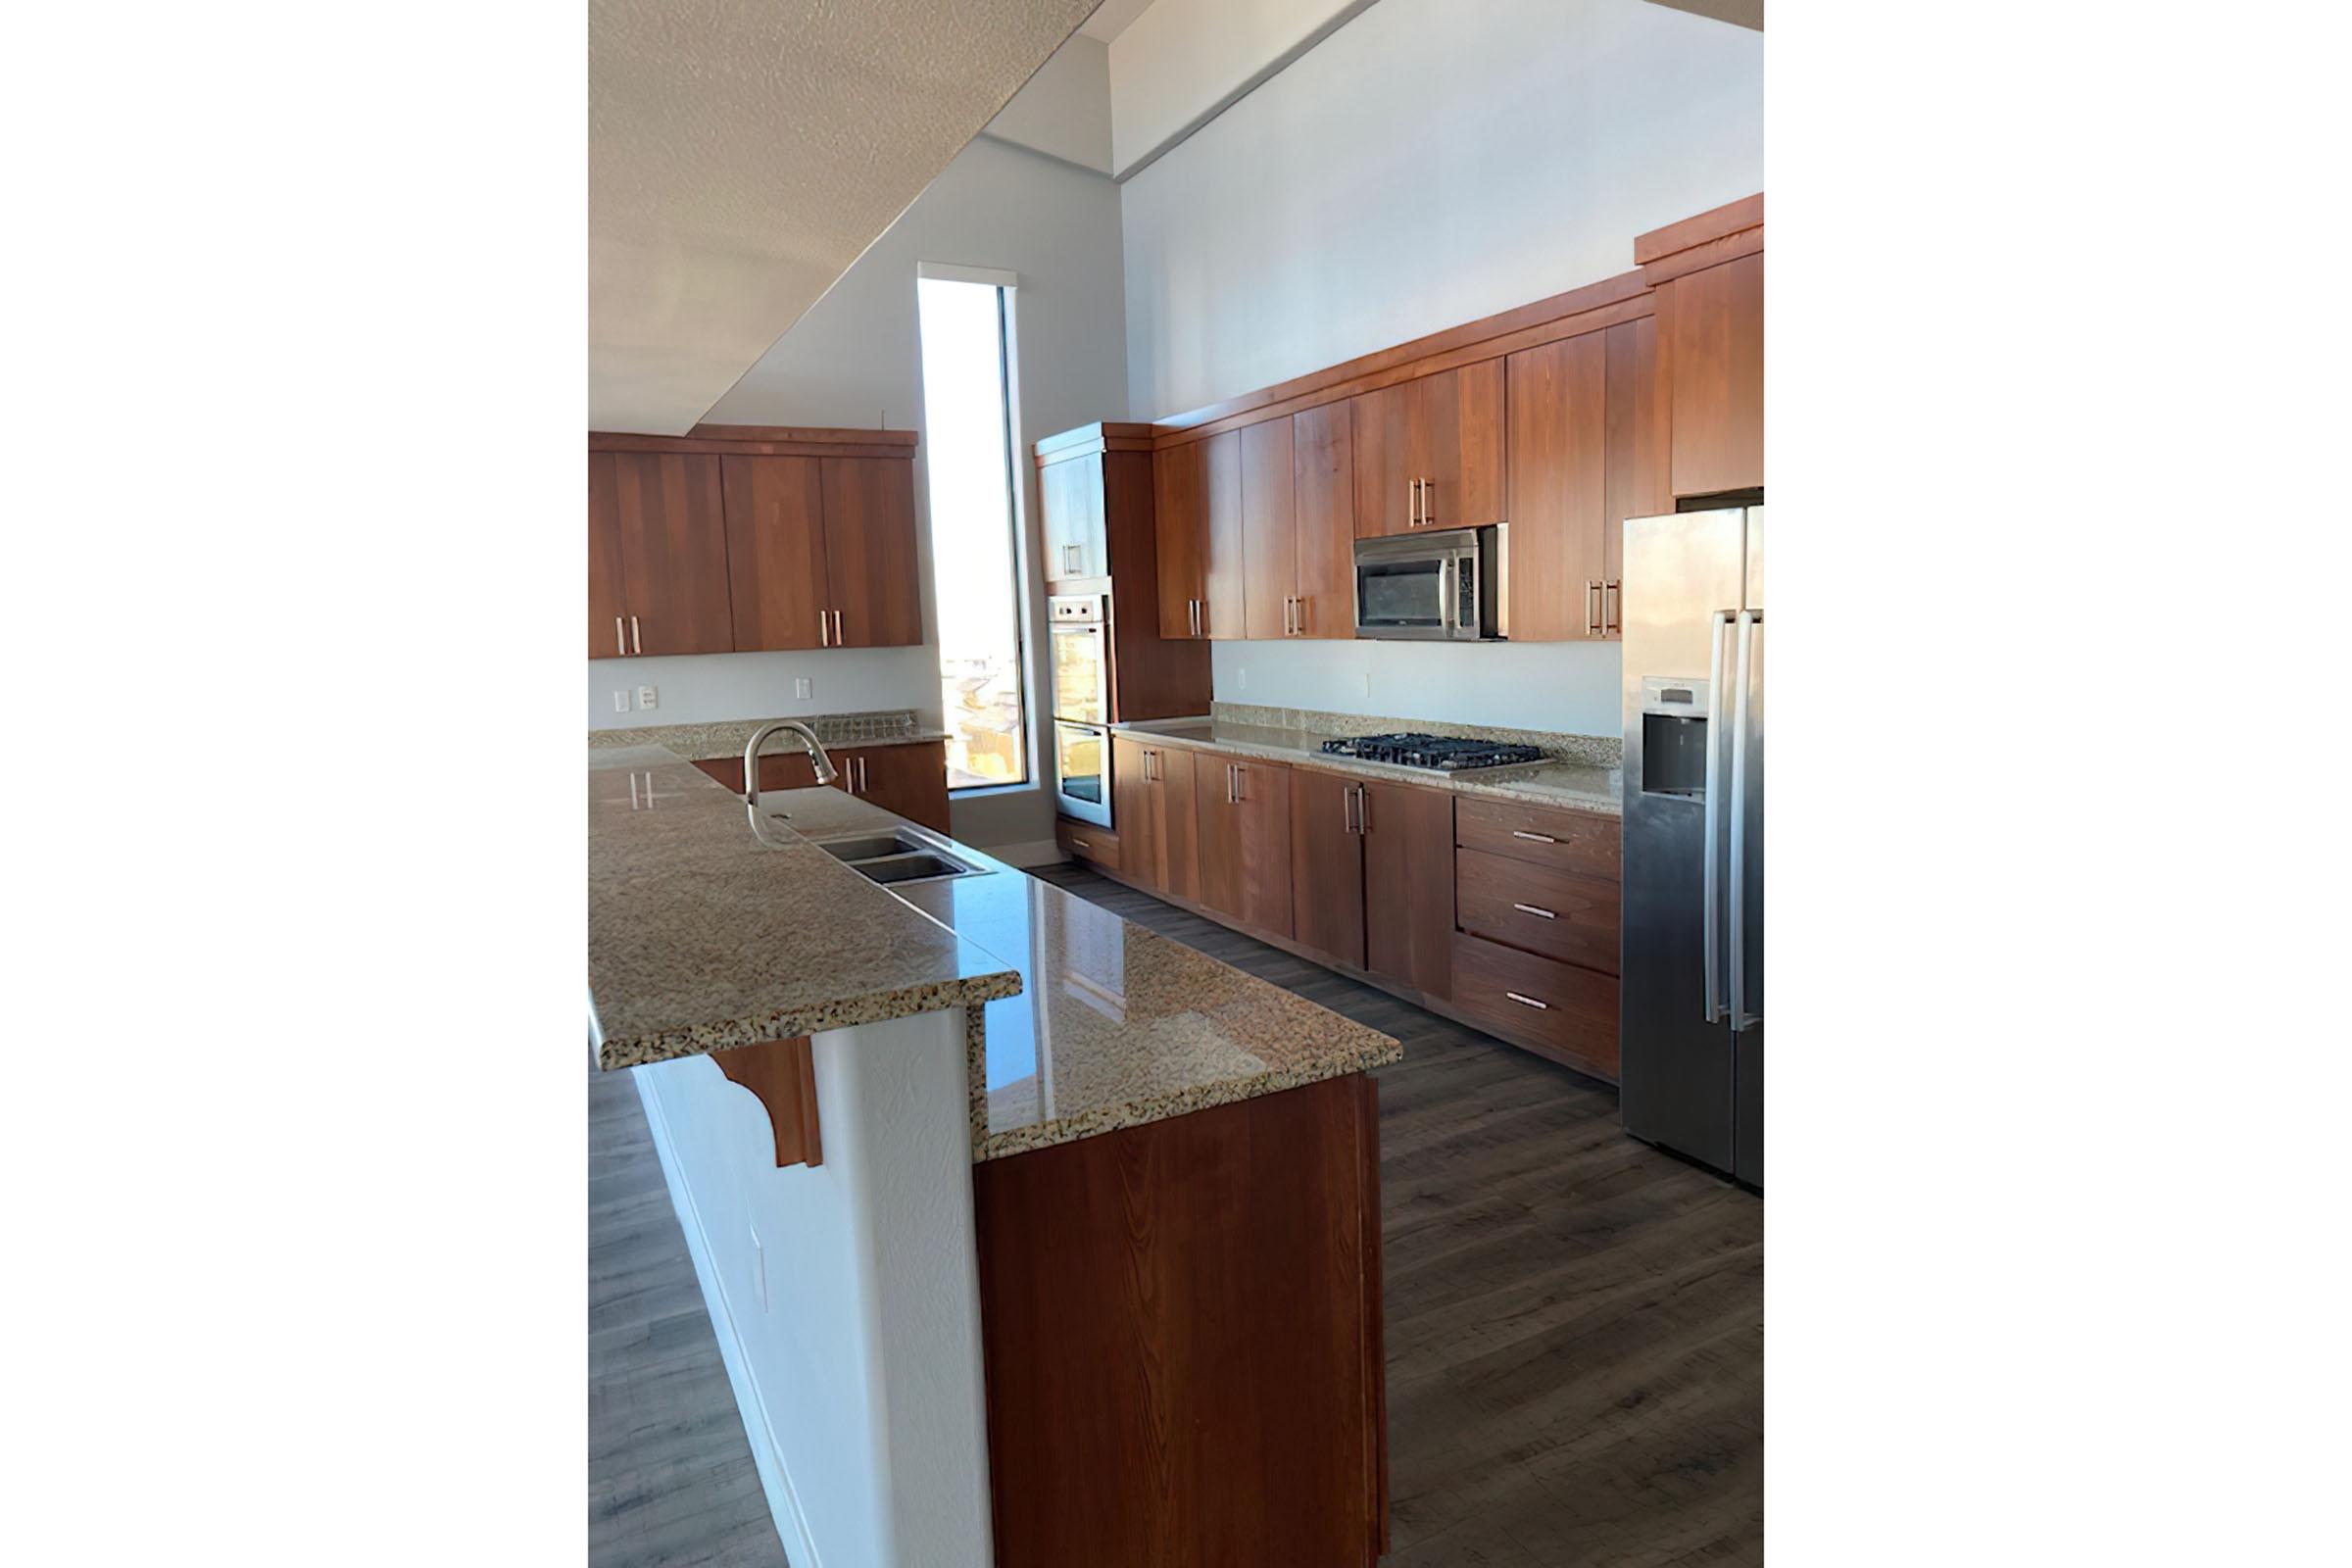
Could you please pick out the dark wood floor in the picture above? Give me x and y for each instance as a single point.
(1575, 1321)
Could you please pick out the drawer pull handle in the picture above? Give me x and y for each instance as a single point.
(1529, 909)
(1078, 843)
(1528, 1002)
(1534, 838)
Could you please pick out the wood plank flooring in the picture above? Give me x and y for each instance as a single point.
(1575, 1321)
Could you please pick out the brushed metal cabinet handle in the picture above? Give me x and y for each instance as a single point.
(1301, 601)
(825, 630)
(1241, 778)
(1529, 909)
(1429, 517)
(1612, 624)
(636, 640)
(1534, 838)
(1363, 809)
(1592, 597)
(1077, 843)
(1529, 1002)
(621, 638)
(840, 638)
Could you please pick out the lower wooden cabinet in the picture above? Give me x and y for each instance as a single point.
(1088, 842)
(1556, 1009)
(1327, 866)
(1408, 885)
(1151, 801)
(1243, 809)
(910, 780)
(1559, 915)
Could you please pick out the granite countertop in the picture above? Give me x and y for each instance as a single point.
(723, 738)
(1080, 1021)
(1566, 785)
(709, 929)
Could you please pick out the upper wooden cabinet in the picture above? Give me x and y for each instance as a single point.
(1323, 481)
(869, 552)
(1069, 499)
(1269, 531)
(1429, 452)
(1586, 440)
(737, 538)
(671, 535)
(1712, 353)
(1196, 494)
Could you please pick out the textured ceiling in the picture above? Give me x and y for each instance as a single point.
(742, 155)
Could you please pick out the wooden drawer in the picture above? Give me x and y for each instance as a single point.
(1559, 915)
(1566, 841)
(1084, 841)
(1569, 1015)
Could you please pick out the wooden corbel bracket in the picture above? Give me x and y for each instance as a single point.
(781, 1075)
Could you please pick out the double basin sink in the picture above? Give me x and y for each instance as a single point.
(897, 856)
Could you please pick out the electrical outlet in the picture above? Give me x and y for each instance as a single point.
(649, 697)
(620, 702)
(801, 687)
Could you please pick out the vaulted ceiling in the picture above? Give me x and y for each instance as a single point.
(742, 153)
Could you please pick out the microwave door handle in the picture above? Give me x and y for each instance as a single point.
(1445, 598)
(1735, 898)
(1465, 605)
(1711, 855)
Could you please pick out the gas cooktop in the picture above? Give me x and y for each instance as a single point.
(1442, 752)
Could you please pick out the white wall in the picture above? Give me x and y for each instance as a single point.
(1181, 59)
(1429, 163)
(845, 1295)
(852, 360)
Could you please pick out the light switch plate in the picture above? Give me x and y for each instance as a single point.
(649, 697)
(620, 702)
(801, 687)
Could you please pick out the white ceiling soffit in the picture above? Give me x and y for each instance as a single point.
(742, 155)
(1111, 17)
(1739, 12)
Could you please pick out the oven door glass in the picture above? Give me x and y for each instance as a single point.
(1401, 595)
(1080, 676)
(1082, 765)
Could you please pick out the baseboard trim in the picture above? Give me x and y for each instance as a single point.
(768, 1460)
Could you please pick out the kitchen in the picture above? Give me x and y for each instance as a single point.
(1226, 918)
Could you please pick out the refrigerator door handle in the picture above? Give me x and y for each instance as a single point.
(1737, 899)
(1711, 855)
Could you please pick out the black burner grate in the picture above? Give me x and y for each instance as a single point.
(1444, 752)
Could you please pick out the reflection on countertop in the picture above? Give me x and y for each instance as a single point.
(1569, 785)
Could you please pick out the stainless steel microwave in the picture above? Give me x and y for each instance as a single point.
(1451, 585)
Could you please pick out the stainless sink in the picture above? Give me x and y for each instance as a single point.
(901, 856)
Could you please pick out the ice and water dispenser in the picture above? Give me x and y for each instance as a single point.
(1673, 737)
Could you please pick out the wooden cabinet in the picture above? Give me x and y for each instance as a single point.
(1152, 802)
(869, 552)
(1713, 348)
(1584, 435)
(1408, 881)
(1429, 452)
(1584, 842)
(1559, 915)
(1327, 866)
(672, 535)
(1537, 896)
(1269, 533)
(1243, 812)
(1197, 497)
(1088, 841)
(1552, 1008)
(1323, 483)
(776, 552)
(910, 780)
(608, 611)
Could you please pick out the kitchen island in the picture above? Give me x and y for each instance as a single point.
(1021, 1226)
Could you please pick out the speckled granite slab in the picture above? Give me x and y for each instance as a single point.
(1563, 784)
(1078, 1021)
(711, 927)
(727, 738)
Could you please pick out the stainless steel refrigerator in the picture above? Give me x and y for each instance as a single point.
(1692, 992)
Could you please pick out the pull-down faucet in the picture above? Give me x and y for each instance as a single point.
(826, 773)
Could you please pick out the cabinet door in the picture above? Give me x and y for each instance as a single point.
(911, 780)
(1386, 458)
(1069, 496)
(1224, 566)
(1408, 885)
(1458, 425)
(775, 552)
(1715, 363)
(1175, 821)
(1244, 811)
(1327, 866)
(673, 553)
(1323, 481)
(1179, 506)
(1132, 807)
(869, 552)
(1269, 535)
(608, 615)
(1638, 484)
(1558, 481)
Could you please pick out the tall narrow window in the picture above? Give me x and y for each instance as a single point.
(967, 419)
